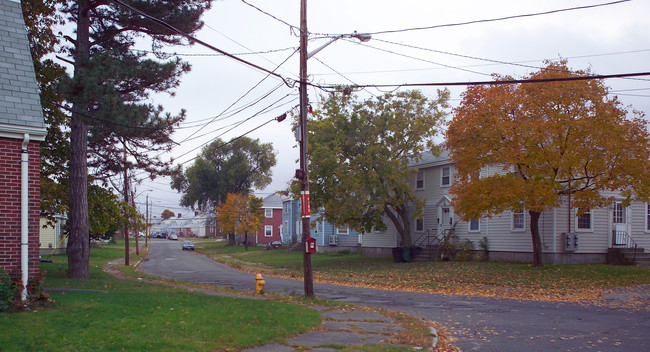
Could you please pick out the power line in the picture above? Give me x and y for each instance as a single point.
(493, 19)
(195, 40)
(513, 81)
(293, 28)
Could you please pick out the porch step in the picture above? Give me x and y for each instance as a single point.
(638, 257)
(426, 255)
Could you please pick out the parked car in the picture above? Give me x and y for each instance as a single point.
(188, 245)
(273, 245)
(173, 237)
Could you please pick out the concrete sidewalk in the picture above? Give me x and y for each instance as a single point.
(343, 327)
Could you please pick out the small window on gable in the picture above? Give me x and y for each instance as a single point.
(475, 225)
(268, 213)
(518, 220)
(583, 221)
(445, 176)
(419, 180)
(419, 224)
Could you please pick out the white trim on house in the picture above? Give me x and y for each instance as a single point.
(646, 215)
(268, 213)
(522, 223)
(478, 226)
(268, 230)
(445, 180)
(580, 221)
(419, 180)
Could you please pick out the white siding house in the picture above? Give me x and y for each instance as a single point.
(590, 238)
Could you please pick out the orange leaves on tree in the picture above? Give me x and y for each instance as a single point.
(240, 214)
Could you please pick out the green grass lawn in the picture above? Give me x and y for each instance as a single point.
(551, 282)
(137, 316)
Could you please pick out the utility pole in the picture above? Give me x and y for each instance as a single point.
(126, 224)
(134, 228)
(302, 174)
(146, 222)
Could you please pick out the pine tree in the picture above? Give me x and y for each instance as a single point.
(108, 90)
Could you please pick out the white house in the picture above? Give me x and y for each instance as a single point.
(566, 237)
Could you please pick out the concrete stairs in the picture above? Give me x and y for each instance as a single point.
(640, 257)
(427, 254)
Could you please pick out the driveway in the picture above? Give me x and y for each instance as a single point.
(479, 323)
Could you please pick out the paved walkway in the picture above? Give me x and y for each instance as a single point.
(341, 327)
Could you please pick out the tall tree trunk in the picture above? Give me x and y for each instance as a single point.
(246, 242)
(399, 217)
(79, 240)
(537, 242)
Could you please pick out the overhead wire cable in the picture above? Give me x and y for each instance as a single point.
(492, 19)
(294, 29)
(513, 81)
(198, 41)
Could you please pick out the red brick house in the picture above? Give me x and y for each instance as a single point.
(22, 129)
(272, 228)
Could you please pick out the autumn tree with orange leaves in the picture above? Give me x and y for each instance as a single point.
(553, 140)
(240, 214)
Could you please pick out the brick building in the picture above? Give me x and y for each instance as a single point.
(21, 130)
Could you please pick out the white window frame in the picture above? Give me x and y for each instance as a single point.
(443, 177)
(512, 221)
(268, 211)
(591, 221)
(419, 221)
(419, 176)
(343, 231)
(478, 223)
(267, 229)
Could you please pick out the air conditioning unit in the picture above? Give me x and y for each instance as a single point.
(570, 242)
(333, 240)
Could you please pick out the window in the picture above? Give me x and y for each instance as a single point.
(583, 221)
(419, 224)
(268, 213)
(474, 225)
(344, 231)
(445, 177)
(268, 231)
(419, 180)
(518, 220)
(619, 214)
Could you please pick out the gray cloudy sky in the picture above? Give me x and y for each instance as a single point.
(608, 39)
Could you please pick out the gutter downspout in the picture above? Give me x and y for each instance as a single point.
(24, 214)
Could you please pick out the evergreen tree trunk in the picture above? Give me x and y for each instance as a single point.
(537, 243)
(79, 241)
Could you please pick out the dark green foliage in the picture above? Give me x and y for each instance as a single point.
(11, 292)
(225, 168)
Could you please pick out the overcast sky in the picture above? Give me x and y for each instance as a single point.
(608, 39)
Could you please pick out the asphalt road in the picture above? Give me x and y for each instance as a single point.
(480, 324)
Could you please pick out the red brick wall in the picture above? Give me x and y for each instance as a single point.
(10, 155)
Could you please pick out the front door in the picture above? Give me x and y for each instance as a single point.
(445, 219)
(619, 223)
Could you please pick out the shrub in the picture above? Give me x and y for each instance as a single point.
(464, 251)
(11, 292)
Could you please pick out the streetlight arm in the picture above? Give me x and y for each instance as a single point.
(362, 37)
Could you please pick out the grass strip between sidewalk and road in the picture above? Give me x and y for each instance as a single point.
(573, 283)
(105, 313)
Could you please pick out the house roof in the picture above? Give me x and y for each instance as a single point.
(20, 103)
(429, 159)
(273, 201)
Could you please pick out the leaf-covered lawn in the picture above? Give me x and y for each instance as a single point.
(522, 281)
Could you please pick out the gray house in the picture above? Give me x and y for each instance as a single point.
(566, 237)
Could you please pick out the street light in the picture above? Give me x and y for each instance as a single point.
(361, 36)
(302, 174)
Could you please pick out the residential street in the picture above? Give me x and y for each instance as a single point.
(480, 324)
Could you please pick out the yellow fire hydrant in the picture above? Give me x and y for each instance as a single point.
(259, 283)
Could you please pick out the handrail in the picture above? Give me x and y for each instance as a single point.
(431, 240)
(622, 238)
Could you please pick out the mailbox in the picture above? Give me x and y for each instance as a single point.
(310, 245)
